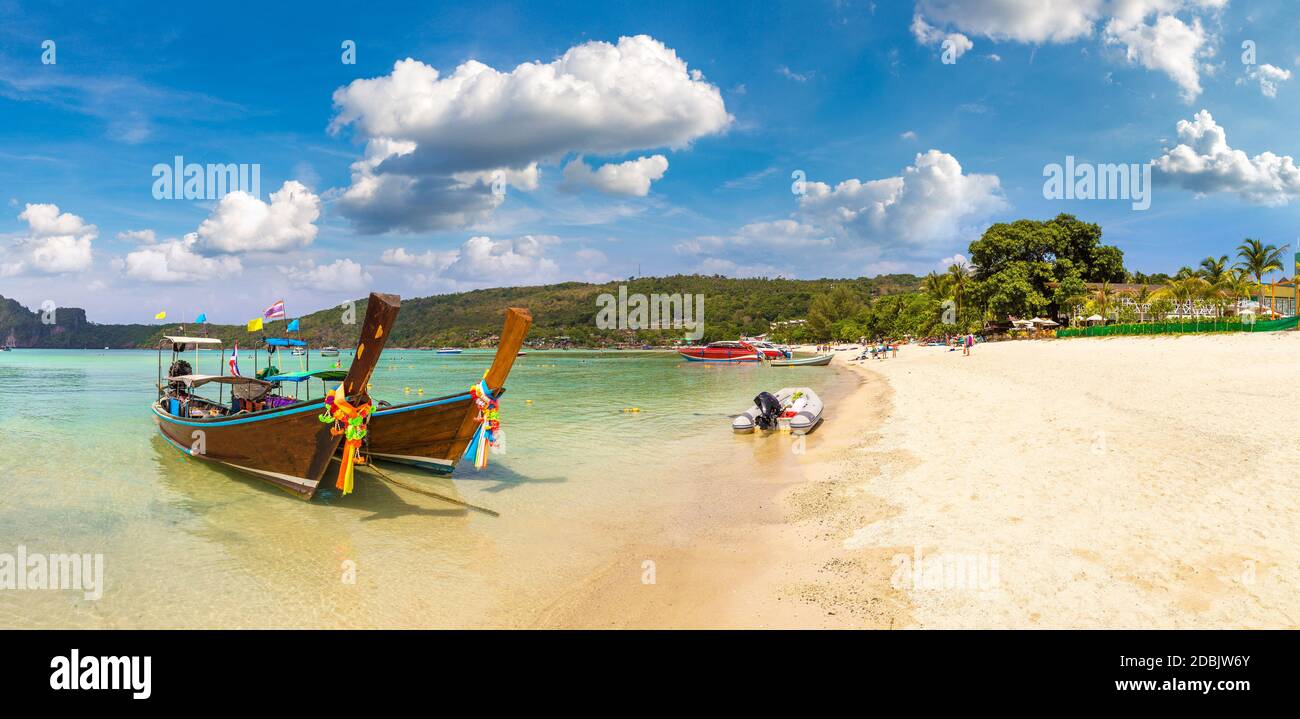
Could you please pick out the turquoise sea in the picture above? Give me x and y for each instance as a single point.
(186, 544)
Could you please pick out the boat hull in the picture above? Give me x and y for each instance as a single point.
(433, 434)
(693, 358)
(425, 434)
(819, 361)
(288, 447)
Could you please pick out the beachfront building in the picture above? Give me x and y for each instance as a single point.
(1279, 300)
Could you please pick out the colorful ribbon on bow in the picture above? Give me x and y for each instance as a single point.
(349, 421)
(488, 433)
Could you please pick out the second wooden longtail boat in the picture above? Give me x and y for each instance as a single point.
(432, 434)
(274, 438)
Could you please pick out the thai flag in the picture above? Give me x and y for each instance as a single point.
(234, 361)
(275, 311)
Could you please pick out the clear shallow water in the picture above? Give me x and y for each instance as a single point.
(187, 544)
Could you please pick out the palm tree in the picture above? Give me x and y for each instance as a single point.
(937, 286)
(1214, 269)
(1184, 272)
(1101, 299)
(1236, 285)
(1258, 259)
(1187, 290)
(959, 277)
(1142, 298)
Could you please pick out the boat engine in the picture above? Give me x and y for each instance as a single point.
(769, 411)
(179, 368)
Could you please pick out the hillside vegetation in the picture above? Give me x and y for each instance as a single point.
(566, 310)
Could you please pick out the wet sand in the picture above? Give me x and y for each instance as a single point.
(1122, 482)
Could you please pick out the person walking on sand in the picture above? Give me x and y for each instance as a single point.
(968, 341)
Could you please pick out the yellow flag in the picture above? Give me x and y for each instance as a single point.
(160, 316)
(255, 324)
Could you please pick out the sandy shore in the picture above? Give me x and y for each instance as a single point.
(1123, 482)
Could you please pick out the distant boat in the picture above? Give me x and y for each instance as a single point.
(299, 351)
(448, 351)
(7, 348)
(818, 361)
(729, 352)
(329, 352)
(521, 354)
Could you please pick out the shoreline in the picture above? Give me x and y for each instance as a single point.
(760, 557)
(1124, 484)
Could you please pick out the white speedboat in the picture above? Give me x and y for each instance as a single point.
(794, 409)
(329, 352)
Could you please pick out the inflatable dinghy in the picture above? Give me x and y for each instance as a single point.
(797, 409)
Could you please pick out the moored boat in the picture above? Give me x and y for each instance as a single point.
(275, 438)
(432, 434)
(729, 352)
(817, 361)
(797, 409)
(448, 351)
(329, 352)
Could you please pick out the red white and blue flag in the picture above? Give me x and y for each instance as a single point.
(234, 361)
(275, 311)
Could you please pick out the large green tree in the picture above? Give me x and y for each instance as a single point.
(1021, 265)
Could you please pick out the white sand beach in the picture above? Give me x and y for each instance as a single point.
(1122, 482)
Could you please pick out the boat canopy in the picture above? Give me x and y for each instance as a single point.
(284, 342)
(192, 340)
(198, 380)
(327, 375)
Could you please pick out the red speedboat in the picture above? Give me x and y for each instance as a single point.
(729, 352)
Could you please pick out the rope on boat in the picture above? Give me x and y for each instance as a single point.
(420, 490)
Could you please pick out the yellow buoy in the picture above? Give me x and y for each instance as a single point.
(407, 390)
(420, 391)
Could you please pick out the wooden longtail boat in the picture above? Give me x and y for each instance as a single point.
(432, 434)
(282, 442)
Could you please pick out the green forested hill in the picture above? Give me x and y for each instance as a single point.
(732, 307)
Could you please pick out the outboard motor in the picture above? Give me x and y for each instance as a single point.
(769, 410)
(179, 368)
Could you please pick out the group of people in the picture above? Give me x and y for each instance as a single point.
(878, 349)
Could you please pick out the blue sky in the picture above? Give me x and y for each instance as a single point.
(664, 137)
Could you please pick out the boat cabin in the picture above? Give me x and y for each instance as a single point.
(179, 388)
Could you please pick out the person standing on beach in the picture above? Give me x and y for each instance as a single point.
(968, 341)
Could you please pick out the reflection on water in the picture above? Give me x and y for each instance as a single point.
(189, 544)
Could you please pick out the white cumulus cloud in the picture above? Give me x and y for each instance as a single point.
(1168, 45)
(631, 178)
(341, 274)
(243, 223)
(1204, 163)
(424, 130)
(929, 203)
(175, 261)
(1167, 36)
(1267, 76)
(55, 243)
(927, 34)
